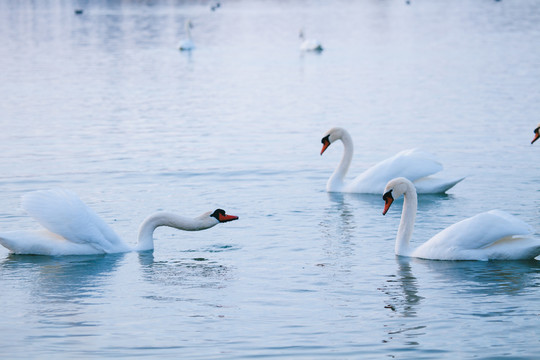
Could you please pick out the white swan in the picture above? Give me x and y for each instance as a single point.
(492, 235)
(536, 134)
(413, 164)
(309, 44)
(72, 228)
(187, 44)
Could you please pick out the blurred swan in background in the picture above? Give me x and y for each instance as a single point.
(309, 44)
(187, 44)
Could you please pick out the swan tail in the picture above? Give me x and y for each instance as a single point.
(434, 185)
(62, 212)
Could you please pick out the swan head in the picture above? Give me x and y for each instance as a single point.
(205, 221)
(393, 190)
(330, 136)
(221, 216)
(536, 134)
(188, 24)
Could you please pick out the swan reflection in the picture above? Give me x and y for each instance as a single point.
(402, 290)
(67, 278)
(487, 277)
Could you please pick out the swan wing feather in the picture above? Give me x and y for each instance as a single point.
(64, 213)
(480, 231)
(412, 164)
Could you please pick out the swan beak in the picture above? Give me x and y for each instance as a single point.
(326, 143)
(388, 200)
(224, 218)
(536, 136)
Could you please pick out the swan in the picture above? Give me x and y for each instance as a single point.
(536, 134)
(491, 235)
(72, 228)
(309, 44)
(187, 44)
(413, 164)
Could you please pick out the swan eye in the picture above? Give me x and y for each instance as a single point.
(217, 213)
(388, 195)
(326, 140)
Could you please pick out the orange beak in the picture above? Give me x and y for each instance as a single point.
(536, 136)
(388, 200)
(325, 144)
(225, 218)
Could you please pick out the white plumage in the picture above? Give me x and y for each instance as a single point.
(414, 164)
(492, 235)
(70, 227)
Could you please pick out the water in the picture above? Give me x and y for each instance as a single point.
(104, 104)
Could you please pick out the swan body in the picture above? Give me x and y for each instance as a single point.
(72, 228)
(309, 44)
(414, 164)
(187, 44)
(536, 134)
(491, 235)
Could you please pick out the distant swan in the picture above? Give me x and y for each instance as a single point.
(536, 134)
(492, 235)
(309, 44)
(413, 164)
(72, 228)
(187, 44)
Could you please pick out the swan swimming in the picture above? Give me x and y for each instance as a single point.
(72, 228)
(413, 164)
(491, 235)
(309, 44)
(187, 44)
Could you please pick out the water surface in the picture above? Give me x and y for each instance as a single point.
(105, 105)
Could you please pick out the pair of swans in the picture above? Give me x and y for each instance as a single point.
(70, 227)
(492, 235)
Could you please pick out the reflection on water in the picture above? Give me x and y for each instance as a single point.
(64, 278)
(402, 290)
(193, 273)
(337, 228)
(486, 278)
(139, 126)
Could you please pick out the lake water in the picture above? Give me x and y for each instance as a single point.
(104, 104)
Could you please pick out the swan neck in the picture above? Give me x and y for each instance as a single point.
(151, 223)
(406, 224)
(338, 177)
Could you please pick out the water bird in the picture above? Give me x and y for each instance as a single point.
(79, 11)
(536, 134)
(309, 44)
(414, 164)
(491, 235)
(187, 44)
(215, 6)
(70, 227)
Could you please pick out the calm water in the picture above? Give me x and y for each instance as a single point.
(104, 104)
